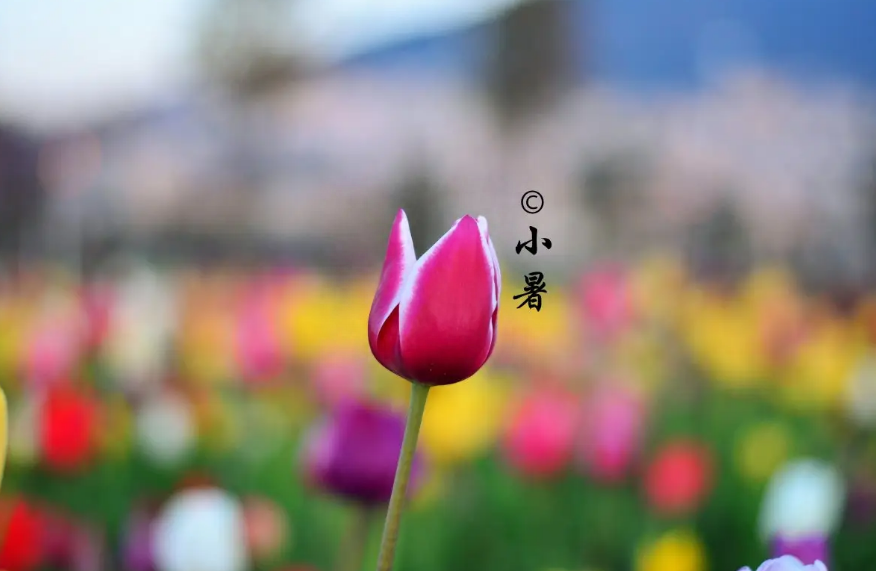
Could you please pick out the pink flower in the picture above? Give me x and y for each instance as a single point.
(611, 433)
(541, 435)
(433, 320)
(606, 301)
(787, 563)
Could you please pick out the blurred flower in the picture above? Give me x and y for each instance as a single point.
(679, 478)
(22, 548)
(761, 449)
(55, 343)
(137, 543)
(817, 375)
(806, 549)
(259, 351)
(803, 500)
(613, 419)
(787, 563)
(434, 320)
(673, 551)
(655, 288)
(721, 335)
(606, 301)
(464, 420)
(200, 529)
(339, 377)
(319, 318)
(165, 428)
(97, 303)
(216, 420)
(266, 528)
(58, 538)
(116, 426)
(4, 432)
(141, 324)
(68, 423)
(860, 397)
(353, 452)
(540, 436)
(24, 433)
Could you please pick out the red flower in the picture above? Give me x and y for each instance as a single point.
(433, 320)
(679, 478)
(67, 429)
(22, 547)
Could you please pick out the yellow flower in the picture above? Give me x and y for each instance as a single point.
(464, 419)
(4, 431)
(117, 430)
(655, 286)
(817, 376)
(678, 550)
(722, 335)
(318, 318)
(545, 337)
(762, 449)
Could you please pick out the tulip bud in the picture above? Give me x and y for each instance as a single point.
(433, 320)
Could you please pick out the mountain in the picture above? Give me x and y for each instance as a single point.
(671, 43)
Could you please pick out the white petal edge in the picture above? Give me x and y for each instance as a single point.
(408, 263)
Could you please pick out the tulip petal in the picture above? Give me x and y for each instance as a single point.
(398, 264)
(447, 307)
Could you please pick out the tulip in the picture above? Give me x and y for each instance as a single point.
(787, 563)
(354, 452)
(801, 508)
(201, 529)
(678, 550)
(433, 322)
(137, 543)
(679, 478)
(68, 429)
(613, 421)
(22, 548)
(541, 436)
(607, 302)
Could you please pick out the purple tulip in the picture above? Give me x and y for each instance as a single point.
(137, 546)
(807, 549)
(353, 453)
(787, 563)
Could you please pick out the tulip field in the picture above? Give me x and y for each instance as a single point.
(231, 419)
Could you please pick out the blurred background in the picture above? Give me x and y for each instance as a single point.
(195, 198)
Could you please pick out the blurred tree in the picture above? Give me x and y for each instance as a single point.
(22, 197)
(612, 191)
(244, 45)
(718, 247)
(423, 203)
(533, 57)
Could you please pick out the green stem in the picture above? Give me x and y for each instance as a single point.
(419, 392)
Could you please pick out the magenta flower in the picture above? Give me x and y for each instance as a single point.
(354, 452)
(787, 563)
(433, 320)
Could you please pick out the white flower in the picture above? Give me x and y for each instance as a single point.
(787, 563)
(201, 530)
(803, 499)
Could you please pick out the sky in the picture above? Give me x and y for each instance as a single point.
(71, 60)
